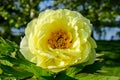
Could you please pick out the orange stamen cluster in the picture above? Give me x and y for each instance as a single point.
(60, 40)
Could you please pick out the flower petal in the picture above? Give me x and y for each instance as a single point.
(25, 50)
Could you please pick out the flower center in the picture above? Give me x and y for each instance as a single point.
(60, 40)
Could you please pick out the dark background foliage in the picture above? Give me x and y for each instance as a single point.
(17, 13)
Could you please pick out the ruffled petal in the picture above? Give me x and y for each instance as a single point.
(25, 50)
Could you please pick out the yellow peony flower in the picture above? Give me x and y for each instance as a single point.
(58, 39)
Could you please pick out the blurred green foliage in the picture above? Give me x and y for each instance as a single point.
(100, 12)
(17, 13)
(109, 60)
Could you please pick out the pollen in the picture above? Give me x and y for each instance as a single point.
(60, 40)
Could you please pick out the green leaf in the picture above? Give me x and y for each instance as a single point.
(30, 67)
(70, 72)
(12, 72)
(93, 68)
(63, 76)
(111, 71)
(7, 47)
(84, 76)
